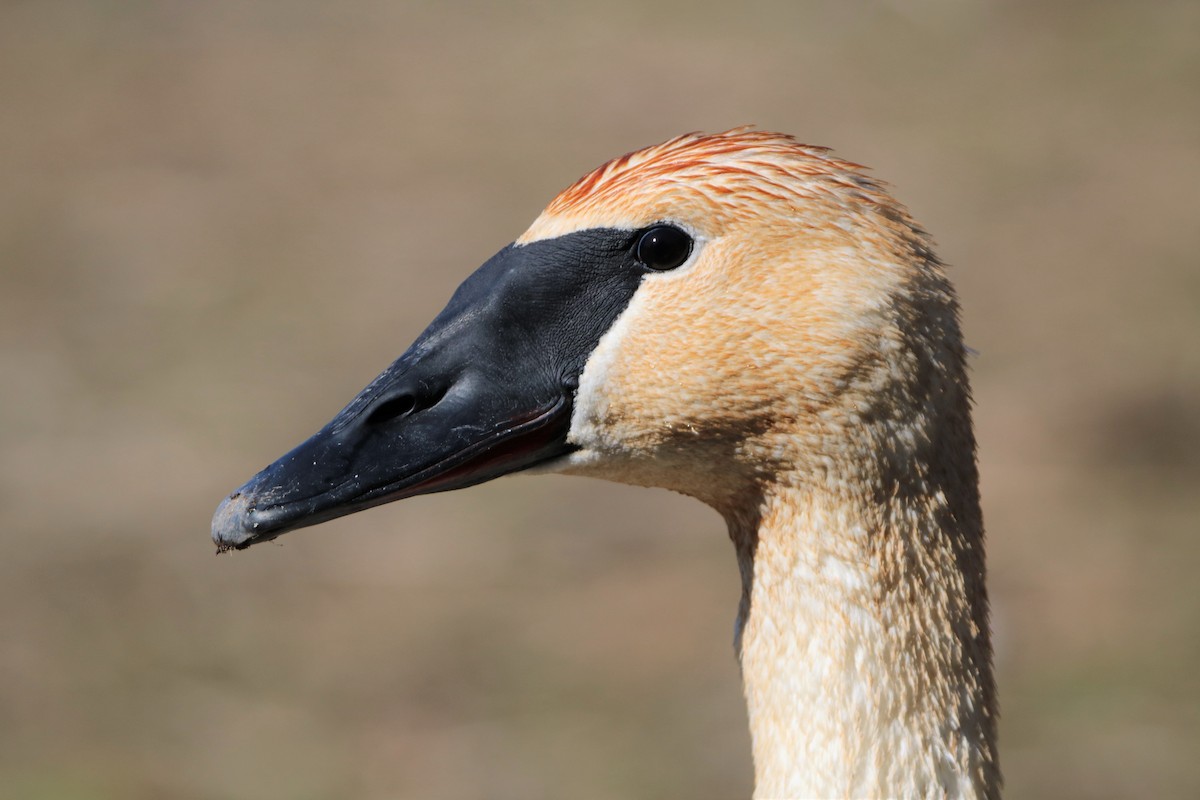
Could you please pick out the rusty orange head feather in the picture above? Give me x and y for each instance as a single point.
(716, 179)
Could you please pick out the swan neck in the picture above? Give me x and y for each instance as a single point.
(864, 646)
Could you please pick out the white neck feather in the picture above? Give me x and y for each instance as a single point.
(864, 649)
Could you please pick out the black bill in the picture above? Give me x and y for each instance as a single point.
(486, 390)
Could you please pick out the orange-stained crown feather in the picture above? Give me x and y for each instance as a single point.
(728, 175)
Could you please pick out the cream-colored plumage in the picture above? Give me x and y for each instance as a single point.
(804, 374)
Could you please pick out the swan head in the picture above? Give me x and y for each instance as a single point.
(703, 315)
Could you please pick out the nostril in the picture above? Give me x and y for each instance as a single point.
(392, 408)
(403, 405)
(435, 396)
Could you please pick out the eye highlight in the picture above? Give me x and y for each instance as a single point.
(663, 247)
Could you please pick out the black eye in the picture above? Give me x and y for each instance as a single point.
(663, 247)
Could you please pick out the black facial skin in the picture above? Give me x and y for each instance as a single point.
(486, 390)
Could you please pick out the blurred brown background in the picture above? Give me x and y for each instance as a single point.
(219, 220)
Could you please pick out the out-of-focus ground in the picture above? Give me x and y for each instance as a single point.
(219, 220)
